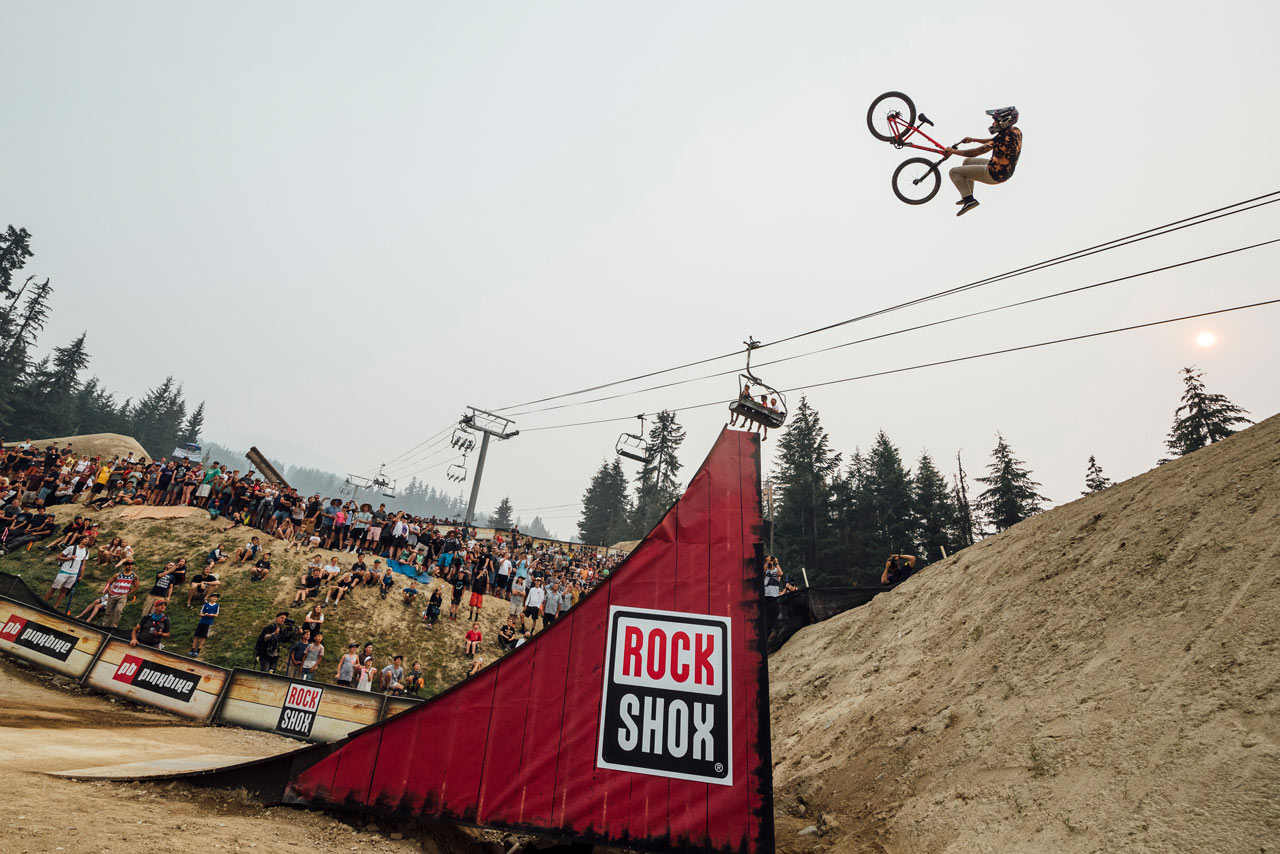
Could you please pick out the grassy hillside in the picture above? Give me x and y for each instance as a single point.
(247, 606)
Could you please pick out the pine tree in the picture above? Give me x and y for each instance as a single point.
(804, 533)
(657, 485)
(15, 249)
(193, 426)
(888, 488)
(1094, 479)
(157, 418)
(606, 511)
(1203, 418)
(935, 512)
(966, 524)
(502, 518)
(1011, 494)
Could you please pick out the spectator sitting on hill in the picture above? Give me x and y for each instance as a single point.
(508, 633)
(897, 568)
(388, 581)
(473, 640)
(262, 568)
(249, 552)
(411, 592)
(341, 588)
(308, 587)
(202, 584)
(434, 604)
(391, 679)
(414, 681)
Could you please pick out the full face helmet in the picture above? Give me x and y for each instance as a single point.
(1002, 118)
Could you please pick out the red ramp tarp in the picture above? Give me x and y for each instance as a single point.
(639, 719)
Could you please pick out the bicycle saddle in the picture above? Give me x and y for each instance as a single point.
(924, 120)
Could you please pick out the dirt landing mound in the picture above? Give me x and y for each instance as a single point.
(94, 444)
(1099, 678)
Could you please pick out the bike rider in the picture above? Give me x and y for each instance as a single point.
(1005, 145)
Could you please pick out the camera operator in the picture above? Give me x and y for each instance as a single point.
(275, 633)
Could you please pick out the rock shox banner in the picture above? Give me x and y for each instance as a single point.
(298, 714)
(156, 678)
(38, 637)
(639, 719)
(665, 707)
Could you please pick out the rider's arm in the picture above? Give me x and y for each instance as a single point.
(971, 152)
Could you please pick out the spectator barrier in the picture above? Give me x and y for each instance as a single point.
(311, 711)
(813, 605)
(175, 683)
(48, 640)
(396, 705)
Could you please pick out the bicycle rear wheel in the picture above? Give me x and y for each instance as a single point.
(882, 107)
(916, 180)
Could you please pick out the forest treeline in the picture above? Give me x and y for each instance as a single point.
(839, 516)
(50, 395)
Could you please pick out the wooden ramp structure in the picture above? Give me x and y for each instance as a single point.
(640, 719)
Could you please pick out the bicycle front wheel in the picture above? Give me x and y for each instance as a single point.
(889, 104)
(916, 180)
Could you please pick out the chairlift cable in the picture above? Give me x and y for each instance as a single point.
(942, 362)
(1116, 243)
(916, 328)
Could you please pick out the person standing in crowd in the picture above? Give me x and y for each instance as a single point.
(772, 589)
(533, 602)
(298, 653)
(153, 628)
(267, 649)
(312, 657)
(479, 586)
(162, 589)
(551, 606)
(208, 613)
(70, 567)
(118, 590)
(347, 665)
(459, 587)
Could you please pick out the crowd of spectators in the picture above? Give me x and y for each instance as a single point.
(534, 582)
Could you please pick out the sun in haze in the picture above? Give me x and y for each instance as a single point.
(1206, 339)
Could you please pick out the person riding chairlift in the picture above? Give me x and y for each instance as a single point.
(746, 395)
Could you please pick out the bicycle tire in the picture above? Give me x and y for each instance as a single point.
(874, 109)
(931, 181)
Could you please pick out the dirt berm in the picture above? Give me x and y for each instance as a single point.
(1102, 677)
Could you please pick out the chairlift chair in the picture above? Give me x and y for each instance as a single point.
(463, 439)
(457, 472)
(749, 407)
(633, 446)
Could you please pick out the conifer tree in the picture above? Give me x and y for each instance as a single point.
(15, 249)
(965, 521)
(804, 534)
(658, 485)
(1011, 494)
(502, 518)
(888, 489)
(606, 510)
(1094, 479)
(935, 512)
(193, 426)
(1203, 418)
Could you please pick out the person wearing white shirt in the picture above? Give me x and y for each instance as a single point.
(70, 563)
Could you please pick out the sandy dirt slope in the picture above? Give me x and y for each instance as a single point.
(1103, 677)
(95, 444)
(45, 727)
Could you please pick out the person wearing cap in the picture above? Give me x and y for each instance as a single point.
(208, 613)
(153, 628)
(347, 665)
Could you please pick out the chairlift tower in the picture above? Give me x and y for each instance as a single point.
(491, 426)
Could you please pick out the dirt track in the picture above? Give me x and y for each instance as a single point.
(44, 728)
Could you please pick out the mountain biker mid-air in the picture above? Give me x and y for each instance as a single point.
(1005, 145)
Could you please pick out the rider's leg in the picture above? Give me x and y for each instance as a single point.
(974, 169)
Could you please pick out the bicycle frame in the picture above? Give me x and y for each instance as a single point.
(902, 133)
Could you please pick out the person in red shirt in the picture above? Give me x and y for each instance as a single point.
(473, 640)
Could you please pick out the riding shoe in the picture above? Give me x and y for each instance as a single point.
(968, 206)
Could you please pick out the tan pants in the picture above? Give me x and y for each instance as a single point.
(114, 609)
(974, 169)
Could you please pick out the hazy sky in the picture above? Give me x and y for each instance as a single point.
(341, 223)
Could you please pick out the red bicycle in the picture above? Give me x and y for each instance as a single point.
(892, 119)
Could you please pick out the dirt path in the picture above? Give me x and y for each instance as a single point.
(45, 727)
